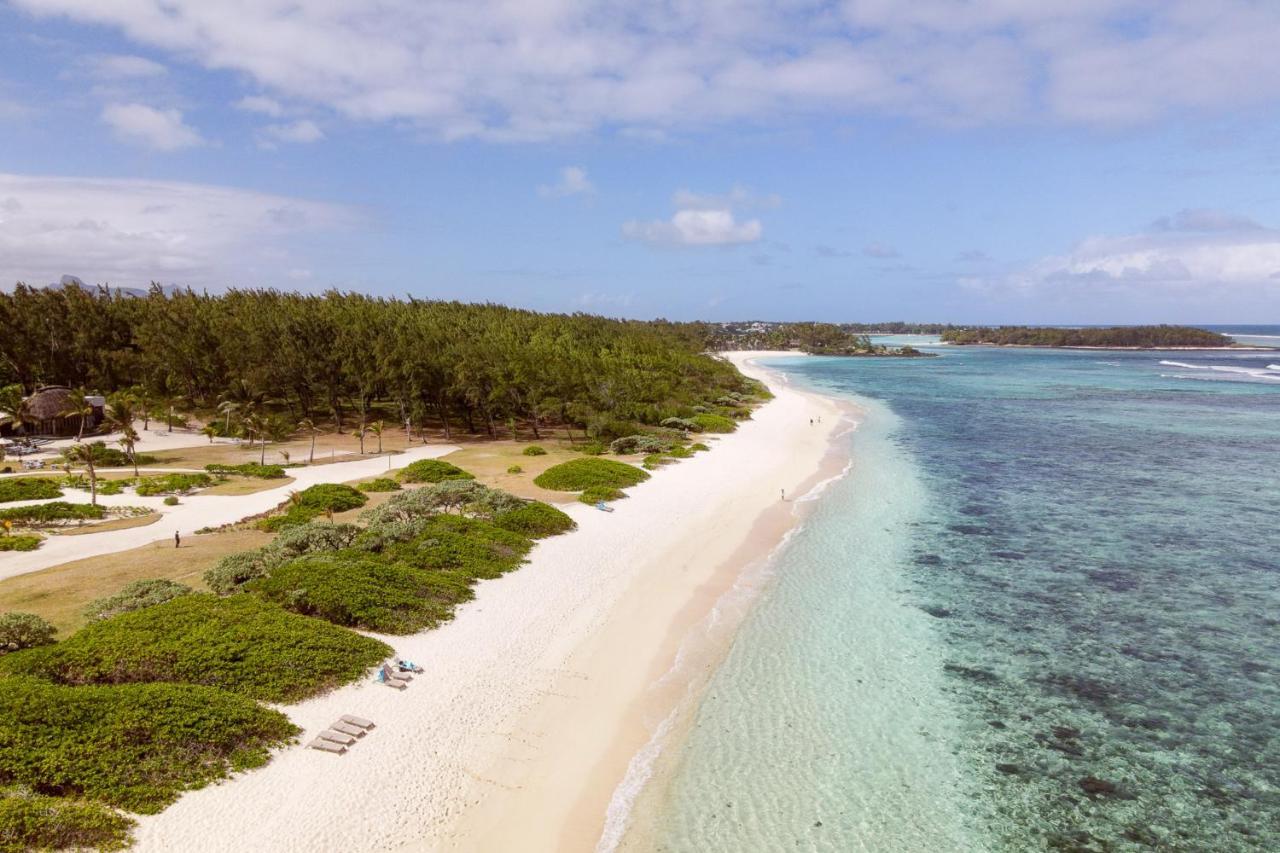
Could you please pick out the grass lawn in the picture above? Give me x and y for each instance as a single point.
(243, 486)
(112, 524)
(60, 593)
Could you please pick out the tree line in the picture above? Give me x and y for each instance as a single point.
(338, 355)
(1146, 337)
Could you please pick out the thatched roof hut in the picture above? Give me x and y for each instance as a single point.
(46, 412)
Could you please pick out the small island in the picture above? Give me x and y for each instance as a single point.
(1113, 337)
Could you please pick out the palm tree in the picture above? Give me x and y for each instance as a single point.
(274, 429)
(88, 455)
(128, 440)
(209, 430)
(227, 407)
(78, 406)
(376, 428)
(170, 403)
(251, 425)
(361, 432)
(308, 425)
(119, 417)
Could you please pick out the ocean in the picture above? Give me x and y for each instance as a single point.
(1041, 612)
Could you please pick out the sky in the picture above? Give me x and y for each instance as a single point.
(993, 161)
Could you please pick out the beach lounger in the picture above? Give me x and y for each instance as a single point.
(348, 729)
(391, 682)
(327, 746)
(357, 721)
(337, 737)
(407, 666)
(399, 676)
(603, 507)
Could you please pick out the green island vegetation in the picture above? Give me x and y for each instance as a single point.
(314, 501)
(1139, 337)
(29, 489)
(714, 423)
(601, 494)
(250, 469)
(433, 471)
(20, 631)
(579, 474)
(172, 484)
(30, 821)
(381, 484)
(19, 542)
(847, 339)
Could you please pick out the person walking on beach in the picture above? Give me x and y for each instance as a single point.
(177, 539)
(784, 494)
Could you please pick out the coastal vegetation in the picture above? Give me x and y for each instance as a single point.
(20, 631)
(1140, 337)
(135, 596)
(19, 542)
(172, 484)
(317, 500)
(601, 494)
(813, 338)
(249, 469)
(433, 471)
(52, 513)
(29, 489)
(381, 484)
(579, 474)
(30, 821)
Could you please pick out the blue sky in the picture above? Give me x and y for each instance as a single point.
(966, 160)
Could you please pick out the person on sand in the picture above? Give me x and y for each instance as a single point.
(784, 494)
(177, 539)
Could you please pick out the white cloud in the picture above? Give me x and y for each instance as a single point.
(573, 181)
(515, 70)
(1201, 254)
(120, 67)
(129, 232)
(161, 130)
(260, 104)
(696, 228)
(301, 131)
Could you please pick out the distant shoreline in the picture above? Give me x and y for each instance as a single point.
(1117, 349)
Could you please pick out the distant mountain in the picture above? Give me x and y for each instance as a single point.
(139, 292)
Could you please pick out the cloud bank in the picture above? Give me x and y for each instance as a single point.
(129, 232)
(538, 69)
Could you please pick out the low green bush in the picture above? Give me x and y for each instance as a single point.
(714, 423)
(655, 460)
(33, 822)
(250, 469)
(135, 746)
(382, 484)
(49, 513)
(682, 424)
(601, 494)
(113, 487)
(362, 590)
(135, 596)
(171, 500)
(19, 542)
(20, 631)
(113, 457)
(515, 469)
(698, 446)
(679, 452)
(578, 474)
(639, 444)
(241, 644)
(433, 471)
(230, 573)
(535, 520)
(593, 448)
(175, 483)
(466, 497)
(28, 489)
(534, 450)
(315, 501)
(473, 547)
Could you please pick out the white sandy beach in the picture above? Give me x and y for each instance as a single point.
(536, 697)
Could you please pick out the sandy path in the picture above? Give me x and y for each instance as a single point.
(525, 719)
(193, 513)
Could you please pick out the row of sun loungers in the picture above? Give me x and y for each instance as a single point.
(342, 734)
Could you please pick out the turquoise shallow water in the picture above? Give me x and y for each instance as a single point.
(1041, 613)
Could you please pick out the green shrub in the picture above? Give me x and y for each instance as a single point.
(578, 474)
(473, 547)
(714, 423)
(606, 427)
(34, 822)
(362, 590)
(515, 469)
(593, 448)
(171, 500)
(52, 512)
(314, 501)
(601, 494)
(639, 444)
(135, 596)
(29, 489)
(699, 446)
(682, 424)
(534, 450)
(382, 484)
(249, 469)
(241, 644)
(654, 461)
(113, 457)
(113, 487)
(20, 631)
(19, 543)
(465, 496)
(536, 520)
(176, 483)
(230, 573)
(679, 453)
(135, 746)
(433, 471)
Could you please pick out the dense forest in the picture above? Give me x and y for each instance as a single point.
(336, 355)
(813, 338)
(1145, 337)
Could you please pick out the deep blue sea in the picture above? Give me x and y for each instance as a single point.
(1042, 612)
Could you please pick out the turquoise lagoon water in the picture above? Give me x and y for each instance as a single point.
(1042, 612)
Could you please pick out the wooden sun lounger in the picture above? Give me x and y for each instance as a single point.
(348, 729)
(357, 721)
(390, 673)
(337, 737)
(327, 746)
(394, 682)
